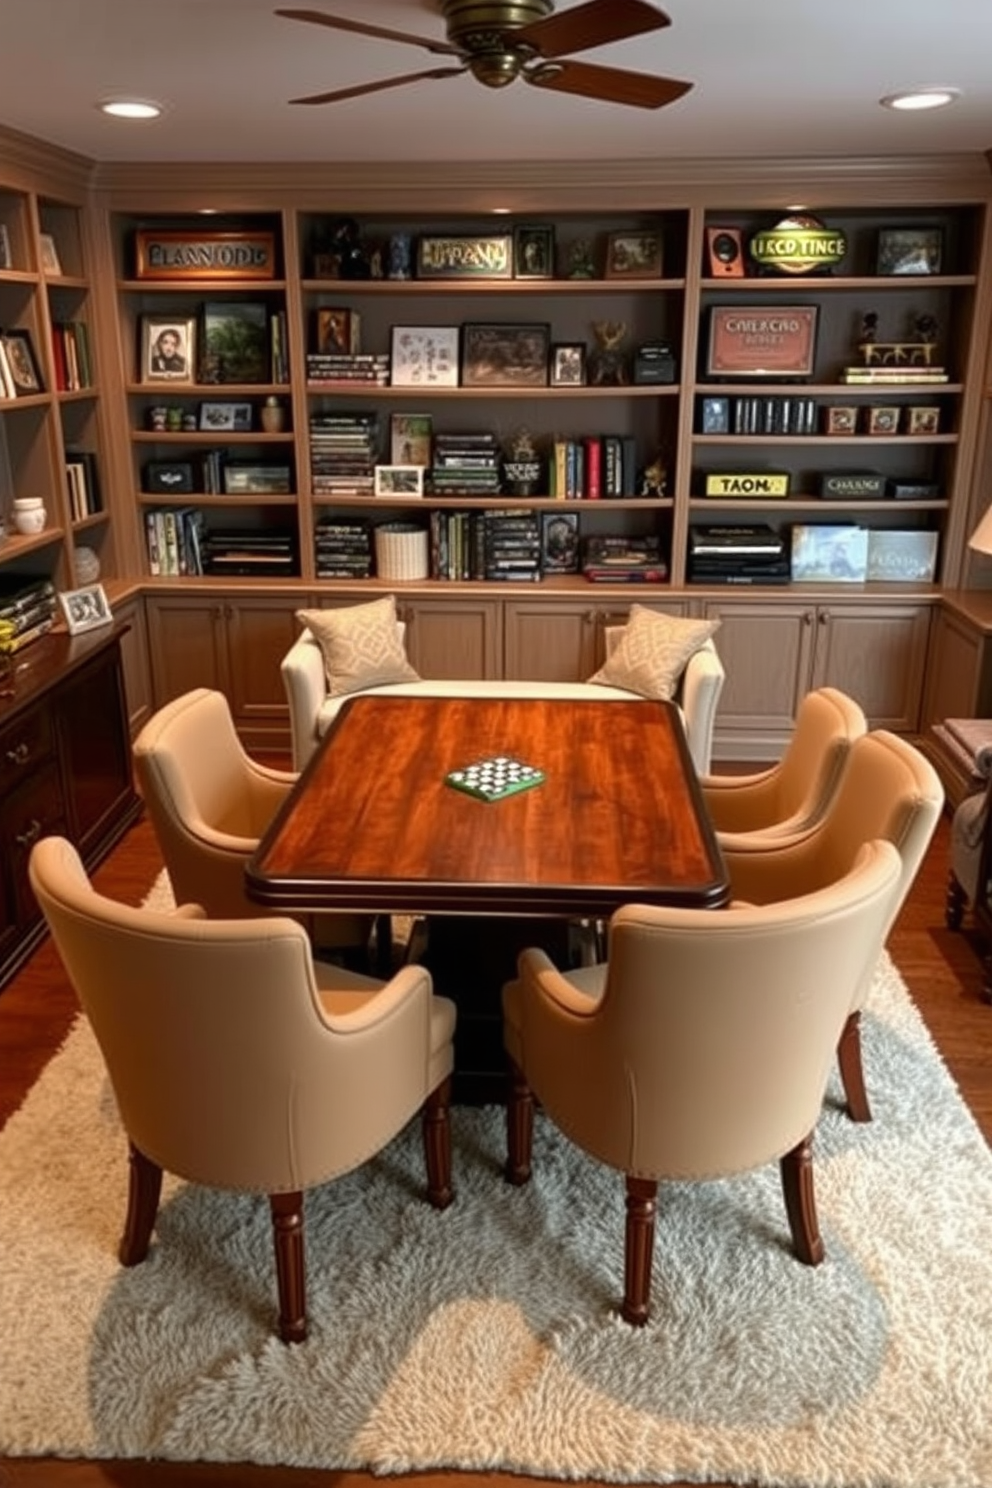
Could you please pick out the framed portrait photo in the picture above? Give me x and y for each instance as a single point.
(505, 355)
(399, 480)
(633, 255)
(922, 419)
(168, 348)
(568, 364)
(20, 364)
(49, 255)
(910, 250)
(229, 417)
(424, 356)
(85, 609)
(533, 253)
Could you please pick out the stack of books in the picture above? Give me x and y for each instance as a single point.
(343, 452)
(749, 554)
(327, 369)
(268, 554)
(617, 559)
(28, 607)
(511, 545)
(465, 465)
(343, 548)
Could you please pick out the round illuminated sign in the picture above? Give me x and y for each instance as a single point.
(798, 245)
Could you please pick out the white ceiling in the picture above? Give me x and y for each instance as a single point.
(772, 77)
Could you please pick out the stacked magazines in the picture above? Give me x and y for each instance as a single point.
(748, 554)
(27, 607)
(616, 559)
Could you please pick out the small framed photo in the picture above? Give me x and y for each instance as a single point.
(505, 355)
(399, 480)
(410, 436)
(85, 609)
(883, 419)
(20, 364)
(533, 253)
(841, 419)
(559, 542)
(633, 255)
(922, 419)
(6, 262)
(568, 364)
(715, 416)
(168, 348)
(337, 331)
(228, 417)
(49, 255)
(424, 356)
(910, 250)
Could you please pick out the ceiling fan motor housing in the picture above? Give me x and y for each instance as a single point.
(476, 26)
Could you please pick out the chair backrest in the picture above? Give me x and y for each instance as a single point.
(225, 1069)
(709, 1050)
(203, 801)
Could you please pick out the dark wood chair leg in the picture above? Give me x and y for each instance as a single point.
(800, 1202)
(143, 1193)
(852, 1071)
(437, 1145)
(954, 904)
(638, 1249)
(519, 1128)
(287, 1232)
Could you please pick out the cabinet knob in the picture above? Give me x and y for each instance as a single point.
(807, 617)
(19, 754)
(824, 617)
(30, 835)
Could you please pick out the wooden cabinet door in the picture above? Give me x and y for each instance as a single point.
(134, 660)
(452, 638)
(545, 642)
(95, 751)
(877, 655)
(959, 677)
(766, 650)
(258, 633)
(186, 645)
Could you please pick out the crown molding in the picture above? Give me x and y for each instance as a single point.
(36, 165)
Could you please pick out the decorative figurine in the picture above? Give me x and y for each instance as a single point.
(654, 477)
(608, 363)
(400, 263)
(523, 467)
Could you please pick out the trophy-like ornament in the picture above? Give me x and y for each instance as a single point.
(913, 360)
(608, 362)
(522, 466)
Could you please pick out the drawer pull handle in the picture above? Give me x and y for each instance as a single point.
(19, 755)
(29, 837)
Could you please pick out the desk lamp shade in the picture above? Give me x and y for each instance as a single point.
(981, 539)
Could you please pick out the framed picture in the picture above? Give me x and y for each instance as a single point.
(761, 341)
(168, 348)
(337, 331)
(559, 542)
(204, 255)
(533, 253)
(568, 364)
(235, 342)
(831, 554)
(424, 356)
(909, 250)
(840, 420)
(715, 416)
(231, 417)
(256, 480)
(505, 355)
(922, 419)
(633, 255)
(49, 254)
(399, 480)
(85, 609)
(410, 436)
(883, 419)
(5, 259)
(464, 256)
(20, 364)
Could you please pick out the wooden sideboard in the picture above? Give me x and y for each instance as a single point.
(65, 768)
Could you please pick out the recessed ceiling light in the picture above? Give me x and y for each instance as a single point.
(131, 108)
(923, 98)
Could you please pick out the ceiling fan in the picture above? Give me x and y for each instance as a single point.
(498, 43)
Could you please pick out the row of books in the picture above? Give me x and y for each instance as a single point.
(174, 538)
(759, 415)
(179, 543)
(83, 484)
(27, 610)
(71, 355)
(330, 368)
(343, 548)
(594, 467)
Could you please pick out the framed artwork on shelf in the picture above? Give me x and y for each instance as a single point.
(465, 256)
(883, 419)
(424, 356)
(633, 255)
(337, 331)
(235, 342)
(761, 340)
(230, 417)
(909, 250)
(714, 416)
(840, 419)
(168, 348)
(19, 372)
(194, 255)
(533, 253)
(6, 262)
(922, 419)
(505, 355)
(49, 255)
(256, 480)
(830, 554)
(85, 609)
(568, 364)
(410, 437)
(399, 480)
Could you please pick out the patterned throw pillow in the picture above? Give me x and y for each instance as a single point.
(652, 651)
(362, 645)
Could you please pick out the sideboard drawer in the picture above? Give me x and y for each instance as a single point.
(25, 745)
(33, 811)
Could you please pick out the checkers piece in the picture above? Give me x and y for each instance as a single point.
(494, 778)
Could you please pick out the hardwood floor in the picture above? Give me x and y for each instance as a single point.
(942, 970)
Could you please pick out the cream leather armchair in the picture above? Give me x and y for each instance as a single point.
(311, 710)
(888, 790)
(793, 794)
(701, 1048)
(239, 1063)
(210, 803)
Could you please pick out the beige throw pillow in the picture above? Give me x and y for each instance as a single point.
(651, 654)
(362, 645)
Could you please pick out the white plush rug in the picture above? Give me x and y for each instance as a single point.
(486, 1337)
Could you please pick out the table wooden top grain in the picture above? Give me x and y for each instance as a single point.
(371, 823)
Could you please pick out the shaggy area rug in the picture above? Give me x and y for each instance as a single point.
(487, 1336)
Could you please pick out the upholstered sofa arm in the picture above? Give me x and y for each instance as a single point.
(306, 688)
(702, 683)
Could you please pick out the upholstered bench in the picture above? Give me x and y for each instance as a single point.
(312, 707)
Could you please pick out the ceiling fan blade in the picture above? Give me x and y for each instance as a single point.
(337, 23)
(338, 95)
(591, 25)
(610, 84)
